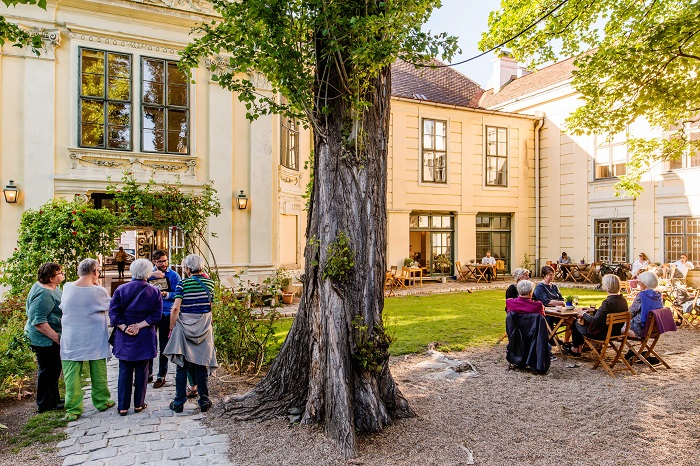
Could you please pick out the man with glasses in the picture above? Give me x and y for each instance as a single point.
(678, 269)
(165, 279)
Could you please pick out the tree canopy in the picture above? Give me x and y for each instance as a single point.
(635, 59)
(15, 34)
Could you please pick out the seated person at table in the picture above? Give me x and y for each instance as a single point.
(524, 304)
(564, 259)
(594, 326)
(640, 265)
(519, 274)
(547, 292)
(645, 301)
(678, 269)
(488, 260)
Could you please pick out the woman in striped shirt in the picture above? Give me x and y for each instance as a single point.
(191, 341)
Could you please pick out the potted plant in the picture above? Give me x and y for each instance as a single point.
(443, 264)
(407, 262)
(571, 301)
(287, 298)
(283, 280)
(526, 264)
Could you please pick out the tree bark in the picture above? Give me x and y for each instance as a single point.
(317, 371)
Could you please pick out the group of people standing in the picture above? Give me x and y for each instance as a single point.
(69, 327)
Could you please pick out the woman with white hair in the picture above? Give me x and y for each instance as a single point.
(135, 310)
(524, 304)
(594, 326)
(645, 301)
(84, 304)
(191, 343)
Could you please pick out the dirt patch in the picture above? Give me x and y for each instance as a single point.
(572, 416)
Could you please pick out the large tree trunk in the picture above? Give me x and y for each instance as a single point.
(324, 369)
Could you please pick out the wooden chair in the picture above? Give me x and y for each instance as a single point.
(591, 275)
(403, 279)
(625, 287)
(647, 343)
(500, 270)
(615, 342)
(462, 274)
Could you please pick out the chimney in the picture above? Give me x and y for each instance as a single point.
(505, 69)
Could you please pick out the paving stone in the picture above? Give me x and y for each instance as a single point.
(93, 463)
(206, 440)
(197, 461)
(221, 448)
(92, 446)
(167, 427)
(177, 454)
(116, 433)
(218, 459)
(75, 459)
(123, 460)
(120, 441)
(91, 438)
(188, 442)
(162, 445)
(150, 457)
(149, 422)
(202, 450)
(164, 413)
(109, 452)
(170, 435)
(101, 429)
(67, 442)
(142, 430)
(133, 447)
(149, 437)
(199, 432)
(70, 450)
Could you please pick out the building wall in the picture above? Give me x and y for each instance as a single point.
(465, 193)
(39, 146)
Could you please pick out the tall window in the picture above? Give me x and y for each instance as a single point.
(681, 236)
(611, 155)
(493, 234)
(105, 100)
(165, 103)
(691, 158)
(431, 235)
(496, 156)
(290, 144)
(611, 238)
(434, 151)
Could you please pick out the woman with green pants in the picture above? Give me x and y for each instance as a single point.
(85, 339)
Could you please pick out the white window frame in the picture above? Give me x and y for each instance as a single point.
(609, 144)
(434, 151)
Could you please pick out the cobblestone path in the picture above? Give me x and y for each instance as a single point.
(156, 436)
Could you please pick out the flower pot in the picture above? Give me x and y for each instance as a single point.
(569, 307)
(287, 298)
(443, 279)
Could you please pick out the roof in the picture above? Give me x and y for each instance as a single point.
(546, 77)
(441, 85)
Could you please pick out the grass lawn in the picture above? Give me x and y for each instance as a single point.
(456, 320)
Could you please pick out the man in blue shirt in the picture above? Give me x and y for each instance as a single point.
(165, 279)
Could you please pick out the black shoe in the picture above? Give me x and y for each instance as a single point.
(176, 408)
(60, 406)
(570, 352)
(205, 406)
(160, 381)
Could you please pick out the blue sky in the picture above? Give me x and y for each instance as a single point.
(467, 20)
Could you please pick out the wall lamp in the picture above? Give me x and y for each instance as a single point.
(10, 192)
(242, 200)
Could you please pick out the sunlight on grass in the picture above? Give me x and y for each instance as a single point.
(455, 320)
(41, 428)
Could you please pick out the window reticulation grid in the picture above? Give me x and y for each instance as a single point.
(290, 145)
(611, 238)
(496, 156)
(493, 233)
(681, 236)
(165, 107)
(434, 151)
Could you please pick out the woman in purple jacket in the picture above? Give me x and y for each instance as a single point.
(135, 309)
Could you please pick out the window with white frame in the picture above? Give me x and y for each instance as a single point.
(106, 103)
(434, 151)
(691, 158)
(290, 144)
(611, 237)
(681, 236)
(611, 155)
(496, 156)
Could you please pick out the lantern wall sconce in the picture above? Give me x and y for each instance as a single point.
(242, 200)
(11, 191)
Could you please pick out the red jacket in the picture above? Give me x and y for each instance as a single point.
(523, 305)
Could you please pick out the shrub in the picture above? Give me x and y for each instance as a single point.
(243, 337)
(16, 357)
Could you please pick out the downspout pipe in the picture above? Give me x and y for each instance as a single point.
(538, 127)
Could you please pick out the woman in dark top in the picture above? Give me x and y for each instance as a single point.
(519, 274)
(135, 309)
(546, 291)
(594, 326)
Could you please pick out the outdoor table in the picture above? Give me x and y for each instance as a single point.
(569, 269)
(476, 271)
(412, 271)
(566, 320)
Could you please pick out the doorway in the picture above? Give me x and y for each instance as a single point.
(431, 236)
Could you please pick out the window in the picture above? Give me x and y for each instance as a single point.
(681, 236)
(493, 234)
(106, 103)
(290, 144)
(105, 100)
(692, 157)
(611, 239)
(496, 156)
(164, 106)
(431, 235)
(611, 155)
(434, 151)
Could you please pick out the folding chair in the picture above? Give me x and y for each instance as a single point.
(625, 287)
(500, 269)
(591, 274)
(462, 274)
(401, 280)
(389, 283)
(649, 339)
(616, 342)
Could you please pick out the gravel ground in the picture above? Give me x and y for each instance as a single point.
(572, 416)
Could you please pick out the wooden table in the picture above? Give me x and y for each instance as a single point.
(566, 320)
(567, 271)
(476, 271)
(412, 271)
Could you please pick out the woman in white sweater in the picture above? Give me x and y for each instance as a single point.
(85, 339)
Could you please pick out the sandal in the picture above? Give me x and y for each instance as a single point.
(138, 410)
(571, 352)
(123, 412)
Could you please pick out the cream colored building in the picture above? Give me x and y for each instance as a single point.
(579, 212)
(105, 96)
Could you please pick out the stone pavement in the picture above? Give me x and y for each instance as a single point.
(156, 436)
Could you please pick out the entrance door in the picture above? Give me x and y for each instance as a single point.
(493, 234)
(431, 235)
